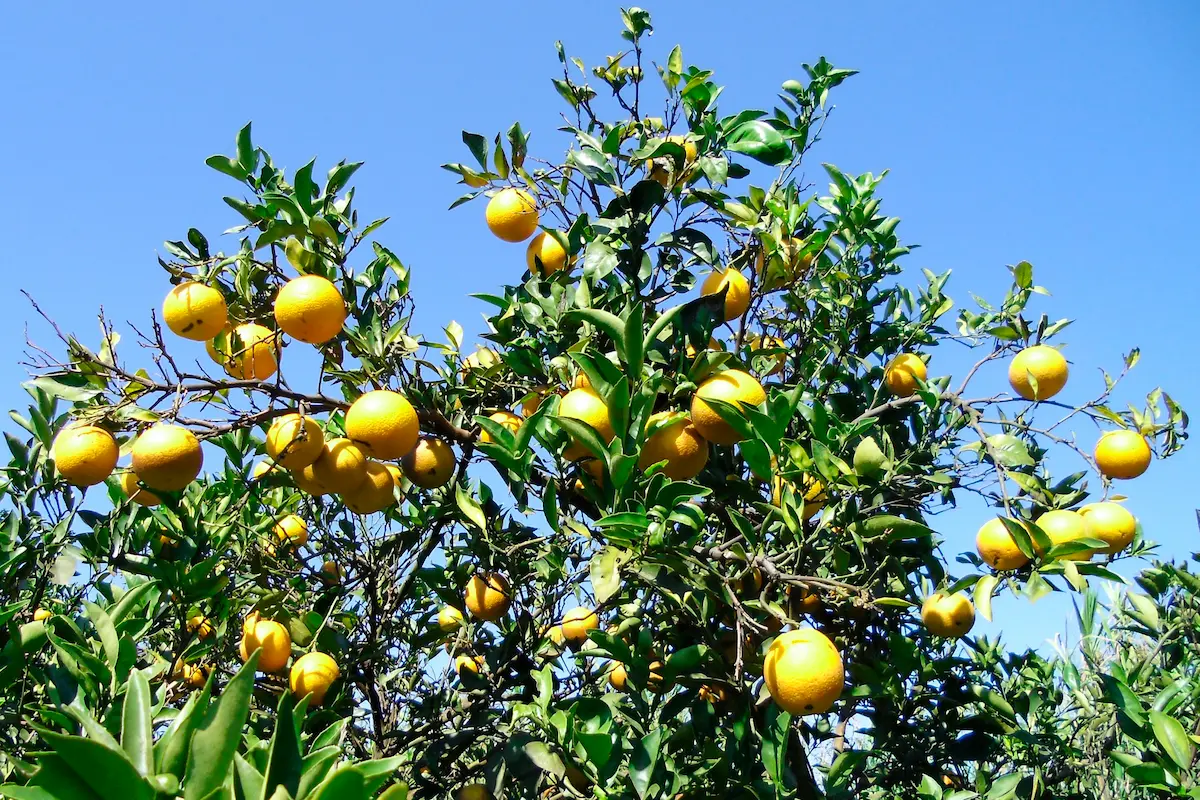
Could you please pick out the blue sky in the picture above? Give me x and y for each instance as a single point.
(1064, 134)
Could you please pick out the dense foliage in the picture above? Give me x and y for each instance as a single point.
(818, 511)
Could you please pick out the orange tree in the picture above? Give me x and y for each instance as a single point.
(647, 541)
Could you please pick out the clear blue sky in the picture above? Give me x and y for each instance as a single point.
(1061, 133)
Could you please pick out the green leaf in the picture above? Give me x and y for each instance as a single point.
(376, 772)
(283, 760)
(247, 155)
(1009, 451)
(249, 779)
(478, 145)
(609, 323)
(108, 772)
(137, 737)
(129, 601)
(546, 759)
(11, 790)
(983, 595)
(228, 166)
(346, 783)
(643, 760)
(170, 751)
(397, 791)
(1173, 739)
(107, 632)
(469, 506)
(210, 757)
(604, 570)
(584, 434)
(760, 141)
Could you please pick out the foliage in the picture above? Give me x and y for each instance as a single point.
(697, 575)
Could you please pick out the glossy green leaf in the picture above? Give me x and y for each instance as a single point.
(283, 760)
(1173, 738)
(137, 738)
(210, 757)
(109, 773)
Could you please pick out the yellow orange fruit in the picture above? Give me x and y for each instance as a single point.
(731, 386)
(449, 619)
(618, 677)
(505, 419)
(737, 298)
(375, 493)
(292, 531)
(576, 623)
(246, 352)
(691, 352)
(902, 373)
(582, 381)
(274, 640)
(167, 457)
(306, 482)
(312, 675)
(295, 441)
(678, 443)
(803, 671)
(310, 308)
(384, 424)
(1111, 523)
(1064, 526)
(545, 255)
(803, 600)
(814, 495)
(129, 485)
(195, 311)
(488, 596)
(586, 406)
(340, 468)
(199, 624)
(41, 615)
(84, 454)
(1122, 454)
(950, 615)
(464, 665)
(1045, 364)
(997, 547)
(430, 464)
(261, 469)
(512, 215)
(533, 401)
(331, 572)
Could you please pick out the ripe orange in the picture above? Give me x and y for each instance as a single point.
(732, 386)
(340, 468)
(466, 664)
(292, 531)
(488, 596)
(129, 485)
(737, 298)
(430, 464)
(312, 675)
(384, 424)
(512, 215)
(195, 311)
(200, 625)
(84, 454)
(375, 493)
(449, 619)
(167, 457)
(804, 672)
(1045, 364)
(41, 615)
(1122, 454)
(545, 255)
(902, 373)
(949, 615)
(1110, 522)
(586, 406)
(1064, 526)
(618, 677)
(310, 308)
(997, 547)
(506, 419)
(246, 352)
(576, 623)
(678, 443)
(295, 441)
(274, 640)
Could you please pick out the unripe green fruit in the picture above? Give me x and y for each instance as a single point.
(869, 460)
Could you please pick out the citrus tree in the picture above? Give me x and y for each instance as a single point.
(668, 530)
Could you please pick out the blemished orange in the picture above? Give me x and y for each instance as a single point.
(430, 464)
(340, 468)
(576, 623)
(1045, 364)
(737, 298)
(505, 419)
(310, 308)
(732, 386)
(488, 596)
(512, 215)
(803, 671)
(997, 547)
(84, 454)
(246, 352)
(679, 443)
(312, 675)
(949, 615)
(902, 372)
(1063, 525)
(195, 311)
(375, 493)
(295, 440)
(1111, 523)
(384, 424)
(274, 640)
(585, 405)
(292, 531)
(167, 457)
(129, 485)
(545, 255)
(331, 572)
(1122, 454)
